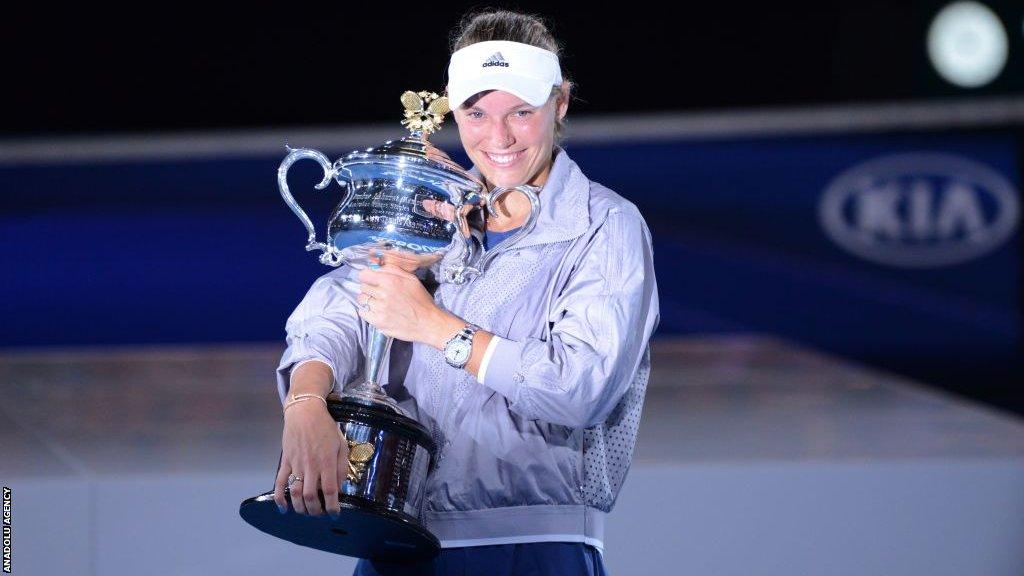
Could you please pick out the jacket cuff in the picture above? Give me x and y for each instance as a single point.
(504, 374)
(485, 362)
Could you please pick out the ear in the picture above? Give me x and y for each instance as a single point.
(562, 105)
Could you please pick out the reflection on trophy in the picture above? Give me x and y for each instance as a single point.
(409, 198)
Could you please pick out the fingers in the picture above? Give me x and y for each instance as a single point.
(430, 206)
(311, 494)
(369, 293)
(369, 303)
(279, 483)
(329, 484)
(384, 272)
(310, 445)
(369, 276)
(380, 256)
(377, 277)
(379, 286)
(438, 209)
(331, 492)
(298, 500)
(400, 259)
(305, 493)
(368, 316)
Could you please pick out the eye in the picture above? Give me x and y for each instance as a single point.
(474, 114)
(523, 113)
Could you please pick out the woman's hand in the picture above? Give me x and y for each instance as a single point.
(396, 303)
(404, 259)
(438, 209)
(446, 211)
(313, 447)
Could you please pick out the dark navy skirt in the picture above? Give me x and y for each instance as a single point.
(535, 559)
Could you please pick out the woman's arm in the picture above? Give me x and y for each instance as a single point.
(399, 306)
(325, 329)
(312, 376)
(601, 324)
(324, 347)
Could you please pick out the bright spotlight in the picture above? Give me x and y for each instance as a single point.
(967, 44)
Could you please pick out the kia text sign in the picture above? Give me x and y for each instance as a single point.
(919, 210)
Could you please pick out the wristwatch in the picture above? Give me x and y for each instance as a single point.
(458, 349)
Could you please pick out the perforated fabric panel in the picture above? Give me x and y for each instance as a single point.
(608, 447)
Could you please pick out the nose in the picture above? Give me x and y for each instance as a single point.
(501, 134)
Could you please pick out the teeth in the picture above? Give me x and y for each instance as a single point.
(503, 158)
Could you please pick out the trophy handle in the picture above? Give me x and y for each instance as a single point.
(331, 255)
(531, 194)
(464, 272)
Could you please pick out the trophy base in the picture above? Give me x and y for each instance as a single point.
(363, 529)
(381, 497)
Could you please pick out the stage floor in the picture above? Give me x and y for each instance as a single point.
(754, 456)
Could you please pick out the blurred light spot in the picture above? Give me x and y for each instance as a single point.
(967, 44)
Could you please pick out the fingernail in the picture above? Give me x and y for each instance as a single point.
(379, 255)
(374, 266)
(282, 509)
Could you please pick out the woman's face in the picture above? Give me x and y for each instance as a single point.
(507, 139)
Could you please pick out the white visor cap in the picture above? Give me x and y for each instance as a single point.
(526, 71)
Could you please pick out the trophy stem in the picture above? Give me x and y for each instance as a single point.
(377, 348)
(368, 391)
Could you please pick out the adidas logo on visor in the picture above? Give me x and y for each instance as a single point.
(496, 59)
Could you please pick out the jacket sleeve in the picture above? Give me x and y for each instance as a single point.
(601, 323)
(325, 327)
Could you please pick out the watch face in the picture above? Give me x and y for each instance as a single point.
(458, 352)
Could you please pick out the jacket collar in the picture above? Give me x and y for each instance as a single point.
(564, 204)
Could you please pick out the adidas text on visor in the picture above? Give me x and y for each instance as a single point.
(520, 69)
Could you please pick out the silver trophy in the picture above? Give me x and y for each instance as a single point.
(409, 198)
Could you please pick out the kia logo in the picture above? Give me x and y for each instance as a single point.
(919, 210)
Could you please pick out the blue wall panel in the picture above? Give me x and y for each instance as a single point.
(205, 250)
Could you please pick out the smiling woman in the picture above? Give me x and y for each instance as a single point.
(509, 99)
(509, 118)
(510, 141)
(531, 376)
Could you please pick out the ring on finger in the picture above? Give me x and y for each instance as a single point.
(293, 478)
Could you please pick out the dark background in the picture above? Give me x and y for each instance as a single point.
(176, 66)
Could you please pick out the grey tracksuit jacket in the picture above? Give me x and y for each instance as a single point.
(537, 448)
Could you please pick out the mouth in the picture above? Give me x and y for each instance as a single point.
(504, 160)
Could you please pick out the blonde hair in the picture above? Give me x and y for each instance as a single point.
(492, 24)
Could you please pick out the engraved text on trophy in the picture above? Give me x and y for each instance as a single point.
(379, 213)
